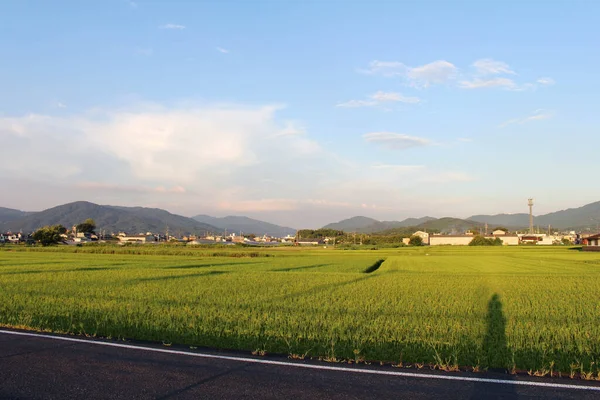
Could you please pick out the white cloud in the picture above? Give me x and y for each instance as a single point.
(397, 141)
(357, 103)
(61, 105)
(379, 98)
(487, 66)
(172, 26)
(546, 81)
(222, 50)
(465, 140)
(537, 115)
(144, 51)
(291, 129)
(479, 83)
(443, 72)
(398, 168)
(132, 4)
(447, 177)
(105, 186)
(205, 154)
(437, 72)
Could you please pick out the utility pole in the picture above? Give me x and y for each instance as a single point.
(530, 204)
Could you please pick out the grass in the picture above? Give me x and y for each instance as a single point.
(513, 309)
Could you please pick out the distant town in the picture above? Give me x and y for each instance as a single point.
(59, 225)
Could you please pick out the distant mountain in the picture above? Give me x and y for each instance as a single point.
(9, 214)
(110, 219)
(449, 225)
(370, 225)
(354, 224)
(584, 217)
(504, 220)
(415, 221)
(245, 225)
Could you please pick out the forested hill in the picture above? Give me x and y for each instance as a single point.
(110, 219)
(587, 216)
(245, 225)
(370, 225)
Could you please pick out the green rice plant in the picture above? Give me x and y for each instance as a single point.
(511, 309)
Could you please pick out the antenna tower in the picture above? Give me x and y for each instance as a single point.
(530, 204)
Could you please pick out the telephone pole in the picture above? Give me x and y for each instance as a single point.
(530, 204)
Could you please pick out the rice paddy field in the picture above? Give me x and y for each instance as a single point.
(517, 309)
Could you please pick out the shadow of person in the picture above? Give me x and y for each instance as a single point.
(497, 356)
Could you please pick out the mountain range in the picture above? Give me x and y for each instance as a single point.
(131, 220)
(141, 219)
(369, 225)
(584, 217)
(587, 216)
(242, 224)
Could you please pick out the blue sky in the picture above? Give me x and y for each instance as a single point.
(300, 113)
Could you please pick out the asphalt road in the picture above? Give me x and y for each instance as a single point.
(44, 368)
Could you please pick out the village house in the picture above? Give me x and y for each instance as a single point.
(310, 242)
(422, 235)
(10, 237)
(594, 240)
(136, 238)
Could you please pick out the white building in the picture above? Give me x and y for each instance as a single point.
(137, 239)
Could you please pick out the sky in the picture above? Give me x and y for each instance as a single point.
(300, 113)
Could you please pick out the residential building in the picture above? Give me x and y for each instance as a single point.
(422, 235)
(137, 239)
(594, 240)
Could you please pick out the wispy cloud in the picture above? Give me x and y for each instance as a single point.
(61, 105)
(172, 26)
(437, 72)
(132, 4)
(537, 115)
(222, 50)
(144, 51)
(291, 129)
(448, 176)
(92, 185)
(465, 140)
(398, 168)
(487, 66)
(485, 73)
(479, 83)
(357, 103)
(379, 98)
(546, 81)
(396, 141)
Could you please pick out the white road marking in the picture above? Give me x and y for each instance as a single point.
(307, 366)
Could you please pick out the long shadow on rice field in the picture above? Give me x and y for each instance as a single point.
(495, 350)
(171, 277)
(300, 268)
(45, 271)
(319, 288)
(208, 265)
(494, 343)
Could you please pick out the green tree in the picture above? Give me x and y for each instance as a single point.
(87, 226)
(416, 240)
(49, 234)
(482, 241)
